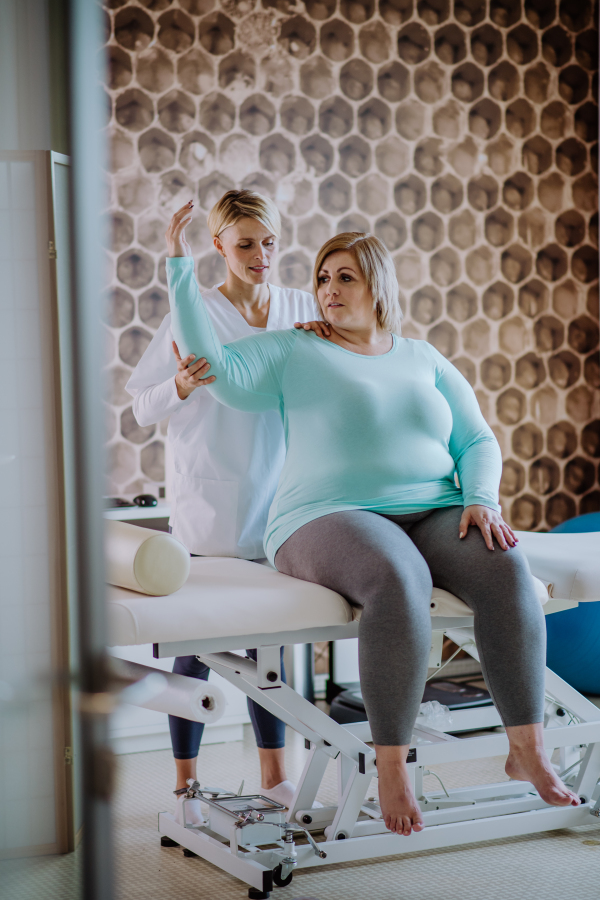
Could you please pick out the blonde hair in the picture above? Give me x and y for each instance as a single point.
(236, 205)
(377, 268)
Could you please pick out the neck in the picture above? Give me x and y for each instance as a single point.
(244, 296)
(371, 340)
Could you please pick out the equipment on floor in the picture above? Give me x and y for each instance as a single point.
(227, 604)
(348, 705)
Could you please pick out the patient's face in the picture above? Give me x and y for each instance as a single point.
(249, 249)
(343, 293)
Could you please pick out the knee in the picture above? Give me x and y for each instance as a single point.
(511, 566)
(395, 578)
(508, 579)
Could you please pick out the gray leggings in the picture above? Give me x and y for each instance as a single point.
(387, 564)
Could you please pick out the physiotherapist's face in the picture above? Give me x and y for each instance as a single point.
(249, 249)
(343, 293)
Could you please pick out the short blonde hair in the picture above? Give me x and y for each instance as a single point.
(236, 205)
(377, 268)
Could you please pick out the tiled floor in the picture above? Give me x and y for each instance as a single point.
(563, 865)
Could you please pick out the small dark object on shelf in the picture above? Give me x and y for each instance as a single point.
(145, 500)
(116, 503)
(187, 852)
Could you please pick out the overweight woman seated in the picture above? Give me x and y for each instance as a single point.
(376, 426)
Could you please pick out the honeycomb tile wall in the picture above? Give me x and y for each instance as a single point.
(462, 132)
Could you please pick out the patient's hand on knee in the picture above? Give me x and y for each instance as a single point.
(399, 807)
(490, 523)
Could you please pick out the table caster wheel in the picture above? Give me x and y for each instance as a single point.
(278, 881)
(187, 852)
(168, 842)
(255, 894)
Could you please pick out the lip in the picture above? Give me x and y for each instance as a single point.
(258, 268)
(330, 305)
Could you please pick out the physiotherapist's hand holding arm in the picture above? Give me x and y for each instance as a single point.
(245, 374)
(190, 374)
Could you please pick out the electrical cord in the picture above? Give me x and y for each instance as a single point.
(435, 775)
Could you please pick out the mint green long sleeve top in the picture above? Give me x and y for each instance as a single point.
(381, 433)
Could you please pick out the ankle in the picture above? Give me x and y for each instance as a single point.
(267, 784)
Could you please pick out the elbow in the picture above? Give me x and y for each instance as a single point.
(138, 414)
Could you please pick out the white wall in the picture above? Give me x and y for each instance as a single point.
(27, 799)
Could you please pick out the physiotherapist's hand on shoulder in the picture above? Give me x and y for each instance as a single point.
(321, 329)
(189, 377)
(175, 233)
(490, 523)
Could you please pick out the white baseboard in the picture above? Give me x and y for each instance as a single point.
(161, 739)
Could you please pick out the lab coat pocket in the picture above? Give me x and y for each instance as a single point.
(206, 513)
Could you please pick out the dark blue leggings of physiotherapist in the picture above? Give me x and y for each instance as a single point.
(186, 735)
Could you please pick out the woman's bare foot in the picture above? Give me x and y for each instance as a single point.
(528, 761)
(399, 807)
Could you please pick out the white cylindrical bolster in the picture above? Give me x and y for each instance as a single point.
(167, 692)
(150, 562)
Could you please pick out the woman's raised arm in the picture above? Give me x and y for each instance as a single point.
(248, 371)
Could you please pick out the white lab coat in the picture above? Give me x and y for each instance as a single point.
(226, 463)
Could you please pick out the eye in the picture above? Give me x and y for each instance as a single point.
(245, 246)
(321, 279)
(346, 278)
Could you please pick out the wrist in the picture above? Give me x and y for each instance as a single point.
(182, 392)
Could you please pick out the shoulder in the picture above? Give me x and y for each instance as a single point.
(426, 354)
(418, 348)
(294, 305)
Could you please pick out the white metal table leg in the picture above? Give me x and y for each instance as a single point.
(588, 772)
(350, 805)
(310, 781)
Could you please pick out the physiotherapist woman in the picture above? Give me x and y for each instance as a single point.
(226, 462)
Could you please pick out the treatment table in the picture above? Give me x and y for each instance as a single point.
(228, 604)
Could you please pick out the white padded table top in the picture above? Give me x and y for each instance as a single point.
(223, 597)
(570, 562)
(226, 597)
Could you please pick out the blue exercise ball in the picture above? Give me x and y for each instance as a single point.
(574, 635)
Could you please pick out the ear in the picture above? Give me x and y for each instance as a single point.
(218, 246)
